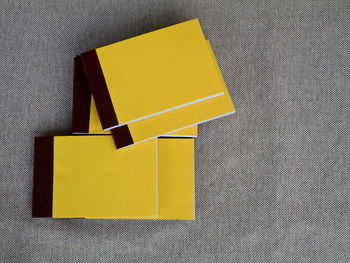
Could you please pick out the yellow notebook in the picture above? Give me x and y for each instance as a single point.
(84, 177)
(150, 75)
(170, 123)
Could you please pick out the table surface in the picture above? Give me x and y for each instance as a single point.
(272, 181)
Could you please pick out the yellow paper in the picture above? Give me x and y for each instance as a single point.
(153, 180)
(173, 122)
(159, 71)
(176, 178)
(91, 179)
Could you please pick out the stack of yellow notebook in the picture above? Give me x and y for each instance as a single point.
(136, 107)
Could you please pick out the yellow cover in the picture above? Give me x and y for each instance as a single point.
(177, 121)
(92, 179)
(158, 72)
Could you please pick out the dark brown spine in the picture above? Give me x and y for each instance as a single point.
(81, 99)
(43, 177)
(98, 87)
(122, 136)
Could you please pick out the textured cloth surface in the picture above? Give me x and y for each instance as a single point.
(272, 181)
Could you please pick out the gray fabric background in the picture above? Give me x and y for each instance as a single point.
(272, 181)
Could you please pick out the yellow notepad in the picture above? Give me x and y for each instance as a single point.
(84, 177)
(151, 74)
(175, 121)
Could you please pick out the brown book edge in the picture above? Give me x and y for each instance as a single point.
(81, 99)
(98, 87)
(122, 136)
(94, 75)
(43, 177)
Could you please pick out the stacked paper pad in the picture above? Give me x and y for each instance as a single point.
(136, 106)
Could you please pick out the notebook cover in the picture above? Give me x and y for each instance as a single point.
(84, 176)
(59, 190)
(151, 74)
(173, 121)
